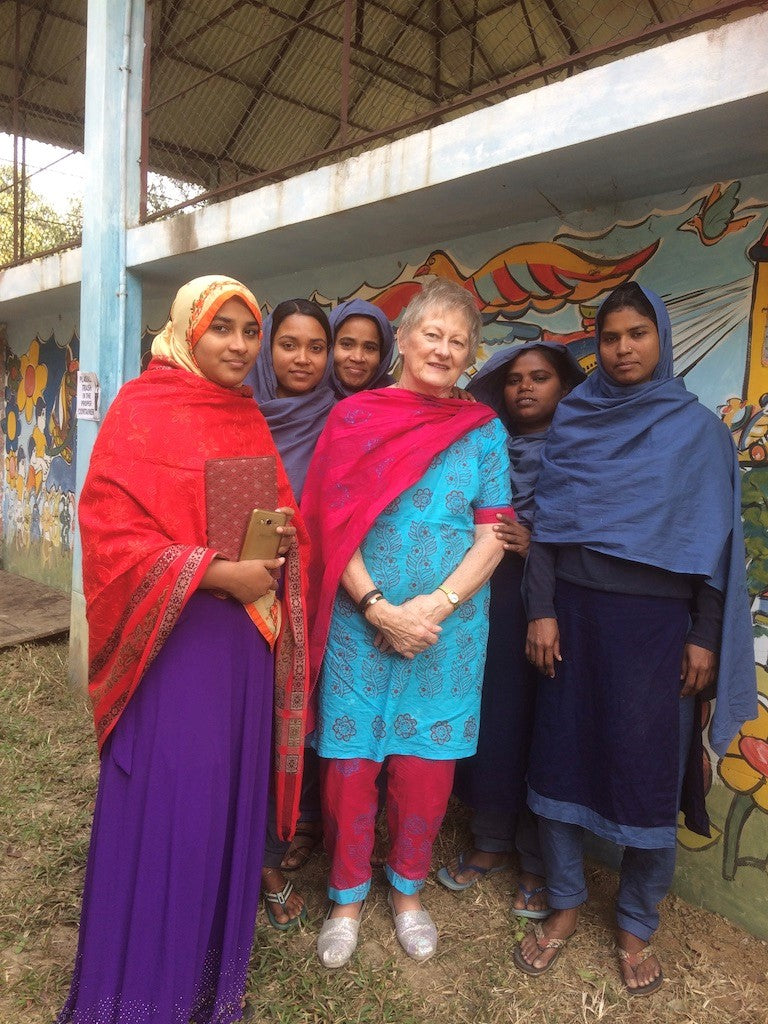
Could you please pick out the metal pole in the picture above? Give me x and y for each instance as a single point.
(145, 94)
(23, 195)
(345, 68)
(17, 80)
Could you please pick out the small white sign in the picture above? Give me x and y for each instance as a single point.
(87, 396)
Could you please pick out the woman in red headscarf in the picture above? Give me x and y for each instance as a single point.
(183, 678)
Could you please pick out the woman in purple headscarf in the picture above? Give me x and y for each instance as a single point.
(363, 343)
(305, 366)
(291, 382)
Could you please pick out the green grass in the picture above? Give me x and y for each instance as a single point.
(48, 770)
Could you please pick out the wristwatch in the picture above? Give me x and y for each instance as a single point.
(452, 596)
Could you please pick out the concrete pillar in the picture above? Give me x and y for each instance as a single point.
(110, 300)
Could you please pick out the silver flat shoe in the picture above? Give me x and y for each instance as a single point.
(337, 940)
(416, 932)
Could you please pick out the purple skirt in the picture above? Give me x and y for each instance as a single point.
(173, 875)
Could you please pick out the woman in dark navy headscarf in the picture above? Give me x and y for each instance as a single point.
(523, 385)
(636, 597)
(363, 344)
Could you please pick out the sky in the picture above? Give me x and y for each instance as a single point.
(58, 175)
(57, 184)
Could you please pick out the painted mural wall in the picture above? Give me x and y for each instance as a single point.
(705, 250)
(38, 471)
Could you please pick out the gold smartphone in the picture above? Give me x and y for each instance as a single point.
(261, 537)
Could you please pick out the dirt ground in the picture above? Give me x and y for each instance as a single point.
(716, 973)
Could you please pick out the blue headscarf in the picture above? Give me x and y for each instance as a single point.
(357, 307)
(646, 473)
(487, 386)
(295, 423)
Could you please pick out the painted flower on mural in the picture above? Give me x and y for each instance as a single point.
(12, 375)
(34, 377)
(12, 470)
(10, 426)
(744, 769)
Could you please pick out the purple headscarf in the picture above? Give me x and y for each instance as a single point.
(295, 423)
(357, 307)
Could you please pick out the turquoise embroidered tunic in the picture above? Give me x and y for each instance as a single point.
(372, 704)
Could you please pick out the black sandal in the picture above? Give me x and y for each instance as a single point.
(309, 835)
(280, 899)
(625, 957)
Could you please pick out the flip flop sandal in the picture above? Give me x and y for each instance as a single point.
(307, 837)
(642, 955)
(557, 944)
(445, 877)
(281, 899)
(528, 894)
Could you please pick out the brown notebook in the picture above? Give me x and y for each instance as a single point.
(233, 489)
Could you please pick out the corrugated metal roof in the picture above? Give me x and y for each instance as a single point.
(246, 88)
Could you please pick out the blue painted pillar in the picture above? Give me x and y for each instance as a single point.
(110, 297)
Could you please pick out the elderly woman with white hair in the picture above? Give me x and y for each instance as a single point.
(400, 500)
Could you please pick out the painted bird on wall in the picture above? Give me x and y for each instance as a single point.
(714, 219)
(540, 276)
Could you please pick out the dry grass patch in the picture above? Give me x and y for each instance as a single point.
(717, 974)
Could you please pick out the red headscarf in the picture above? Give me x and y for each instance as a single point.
(144, 534)
(375, 445)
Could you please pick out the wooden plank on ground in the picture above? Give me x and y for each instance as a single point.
(30, 610)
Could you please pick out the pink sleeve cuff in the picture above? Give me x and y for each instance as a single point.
(483, 516)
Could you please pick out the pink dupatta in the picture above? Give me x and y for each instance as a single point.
(375, 446)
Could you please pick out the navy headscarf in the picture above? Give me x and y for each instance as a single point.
(357, 307)
(646, 473)
(525, 450)
(295, 423)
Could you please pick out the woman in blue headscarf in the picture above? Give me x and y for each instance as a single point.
(363, 343)
(523, 385)
(291, 382)
(637, 603)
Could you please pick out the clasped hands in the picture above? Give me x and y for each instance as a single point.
(411, 627)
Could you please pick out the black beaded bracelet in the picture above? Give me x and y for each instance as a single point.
(362, 604)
